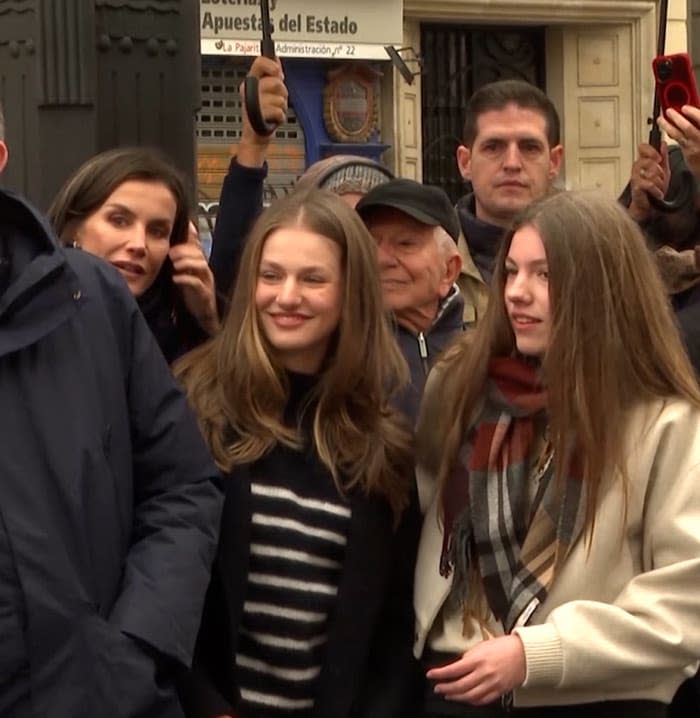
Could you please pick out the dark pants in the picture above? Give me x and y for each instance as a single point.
(438, 708)
(686, 702)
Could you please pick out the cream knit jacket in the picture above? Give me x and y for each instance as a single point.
(622, 618)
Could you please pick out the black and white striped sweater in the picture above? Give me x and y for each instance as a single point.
(298, 535)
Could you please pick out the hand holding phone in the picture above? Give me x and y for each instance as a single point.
(675, 81)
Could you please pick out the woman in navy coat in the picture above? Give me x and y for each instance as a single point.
(110, 501)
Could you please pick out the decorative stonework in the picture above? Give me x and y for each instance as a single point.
(599, 173)
(597, 60)
(164, 6)
(584, 63)
(598, 122)
(13, 15)
(16, 7)
(543, 11)
(66, 53)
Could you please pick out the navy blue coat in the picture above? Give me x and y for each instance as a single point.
(110, 501)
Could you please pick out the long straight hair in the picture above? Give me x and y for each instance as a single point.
(613, 341)
(239, 388)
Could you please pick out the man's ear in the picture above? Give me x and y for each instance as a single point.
(464, 161)
(556, 157)
(3, 155)
(453, 265)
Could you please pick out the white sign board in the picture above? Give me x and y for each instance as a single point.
(303, 28)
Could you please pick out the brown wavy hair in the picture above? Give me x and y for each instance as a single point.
(95, 180)
(239, 388)
(613, 341)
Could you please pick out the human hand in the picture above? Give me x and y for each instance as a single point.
(651, 175)
(191, 274)
(684, 128)
(484, 673)
(273, 105)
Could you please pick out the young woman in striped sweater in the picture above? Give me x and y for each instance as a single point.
(309, 610)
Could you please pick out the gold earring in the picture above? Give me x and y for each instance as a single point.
(75, 244)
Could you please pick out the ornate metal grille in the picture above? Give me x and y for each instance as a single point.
(457, 61)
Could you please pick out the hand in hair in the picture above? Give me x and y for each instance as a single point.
(273, 105)
(651, 175)
(484, 673)
(193, 277)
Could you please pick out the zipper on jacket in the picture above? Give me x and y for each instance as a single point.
(423, 349)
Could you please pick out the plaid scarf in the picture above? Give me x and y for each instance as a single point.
(491, 527)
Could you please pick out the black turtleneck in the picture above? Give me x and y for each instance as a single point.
(300, 386)
(483, 238)
(173, 327)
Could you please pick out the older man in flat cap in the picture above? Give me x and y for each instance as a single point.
(416, 231)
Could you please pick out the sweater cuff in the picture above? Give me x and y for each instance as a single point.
(243, 171)
(544, 655)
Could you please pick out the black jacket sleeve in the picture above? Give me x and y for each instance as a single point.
(177, 506)
(394, 683)
(688, 317)
(239, 205)
(203, 689)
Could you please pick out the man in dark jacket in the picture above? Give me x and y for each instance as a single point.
(110, 501)
(416, 230)
(510, 155)
(673, 236)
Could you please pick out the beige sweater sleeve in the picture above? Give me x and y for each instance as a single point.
(654, 624)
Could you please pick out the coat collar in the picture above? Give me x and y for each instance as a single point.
(42, 291)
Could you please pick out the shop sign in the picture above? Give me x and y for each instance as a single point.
(303, 28)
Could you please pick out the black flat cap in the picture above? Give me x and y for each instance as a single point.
(426, 204)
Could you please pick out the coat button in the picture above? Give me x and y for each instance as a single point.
(77, 294)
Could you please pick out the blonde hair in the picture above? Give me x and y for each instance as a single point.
(613, 341)
(239, 389)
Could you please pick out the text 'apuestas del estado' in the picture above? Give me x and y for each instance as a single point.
(301, 23)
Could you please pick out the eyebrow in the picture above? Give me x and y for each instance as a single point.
(535, 263)
(274, 265)
(126, 210)
(120, 207)
(504, 138)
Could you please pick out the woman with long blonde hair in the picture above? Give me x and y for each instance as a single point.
(560, 555)
(309, 609)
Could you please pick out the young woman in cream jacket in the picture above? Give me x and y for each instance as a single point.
(559, 447)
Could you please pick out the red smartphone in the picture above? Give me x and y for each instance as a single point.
(675, 81)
